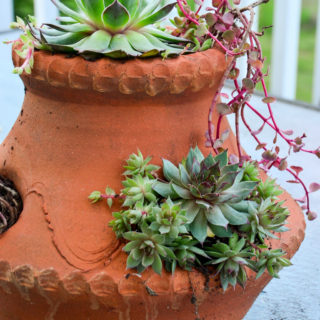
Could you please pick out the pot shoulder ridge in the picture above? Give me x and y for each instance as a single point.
(150, 76)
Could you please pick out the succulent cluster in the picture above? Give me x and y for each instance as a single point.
(213, 192)
(206, 212)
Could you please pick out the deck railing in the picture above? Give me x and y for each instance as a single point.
(285, 43)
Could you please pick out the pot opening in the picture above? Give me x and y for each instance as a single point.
(10, 204)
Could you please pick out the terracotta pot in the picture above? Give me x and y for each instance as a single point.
(80, 120)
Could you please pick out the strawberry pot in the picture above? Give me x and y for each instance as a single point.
(79, 121)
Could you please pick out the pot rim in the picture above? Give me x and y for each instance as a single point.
(151, 76)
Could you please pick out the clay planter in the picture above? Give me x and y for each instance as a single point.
(80, 120)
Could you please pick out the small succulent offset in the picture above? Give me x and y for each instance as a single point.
(231, 260)
(206, 213)
(145, 249)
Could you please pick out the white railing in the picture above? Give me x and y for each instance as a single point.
(285, 43)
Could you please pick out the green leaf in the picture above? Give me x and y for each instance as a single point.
(137, 254)
(161, 250)
(109, 202)
(95, 196)
(260, 272)
(233, 241)
(147, 260)
(270, 267)
(164, 189)
(240, 260)
(181, 192)
(222, 158)
(224, 281)
(67, 11)
(234, 217)
(162, 35)
(198, 252)
(170, 171)
(157, 43)
(192, 4)
(139, 42)
(190, 160)
(120, 47)
(164, 229)
(191, 209)
(238, 192)
(132, 235)
(220, 260)
(216, 217)
(132, 6)
(242, 277)
(158, 15)
(169, 253)
(115, 16)
(221, 232)
(131, 245)
(157, 264)
(97, 42)
(69, 38)
(239, 245)
(184, 176)
(94, 9)
(198, 154)
(209, 161)
(221, 247)
(131, 262)
(62, 28)
(198, 227)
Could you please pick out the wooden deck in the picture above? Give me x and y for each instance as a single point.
(296, 295)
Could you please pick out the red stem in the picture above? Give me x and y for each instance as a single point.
(277, 161)
(231, 53)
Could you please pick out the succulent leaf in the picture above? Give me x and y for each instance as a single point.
(97, 42)
(115, 17)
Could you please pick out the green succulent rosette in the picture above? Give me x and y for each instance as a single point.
(212, 191)
(112, 28)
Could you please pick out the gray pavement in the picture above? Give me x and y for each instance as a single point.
(296, 296)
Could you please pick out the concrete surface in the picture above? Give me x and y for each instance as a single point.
(296, 296)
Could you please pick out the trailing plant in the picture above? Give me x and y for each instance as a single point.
(206, 212)
(228, 26)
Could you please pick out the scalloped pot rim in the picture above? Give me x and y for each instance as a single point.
(151, 76)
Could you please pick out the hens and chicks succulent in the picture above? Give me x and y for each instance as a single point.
(204, 212)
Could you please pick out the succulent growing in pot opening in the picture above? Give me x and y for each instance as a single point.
(206, 212)
(213, 192)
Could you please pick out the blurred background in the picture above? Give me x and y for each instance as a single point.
(290, 50)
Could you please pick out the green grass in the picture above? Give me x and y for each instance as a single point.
(306, 47)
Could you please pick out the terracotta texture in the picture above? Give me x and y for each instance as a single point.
(80, 120)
